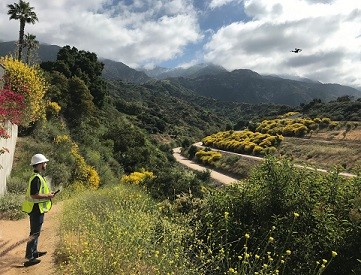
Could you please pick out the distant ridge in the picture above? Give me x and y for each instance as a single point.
(114, 70)
(191, 72)
(250, 87)
(46, 52)
(216, 82)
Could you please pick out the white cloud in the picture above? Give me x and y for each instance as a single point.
(219, 3)
(327, 31)
(189, 64)
(145, 31)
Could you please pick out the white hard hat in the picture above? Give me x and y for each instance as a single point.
(38, 158)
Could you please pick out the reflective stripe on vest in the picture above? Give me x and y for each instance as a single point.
(44, 204)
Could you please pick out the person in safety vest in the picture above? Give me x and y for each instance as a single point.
(37, 202)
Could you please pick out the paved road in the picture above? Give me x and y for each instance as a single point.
(199, 144)
(221, 178)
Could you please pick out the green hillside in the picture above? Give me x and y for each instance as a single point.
(139, 212)
(250, 87)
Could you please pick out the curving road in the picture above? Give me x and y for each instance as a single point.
(227, 180)
(219, 177)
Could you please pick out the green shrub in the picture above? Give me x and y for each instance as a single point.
(268, 198)
(332, 125)
(10, 206)
(17, 185)
(192, 151)
(172, 182)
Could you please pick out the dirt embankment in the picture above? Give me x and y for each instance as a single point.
(13, 237)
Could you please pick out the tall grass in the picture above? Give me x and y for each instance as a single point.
(120, 230)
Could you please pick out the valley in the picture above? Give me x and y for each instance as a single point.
(110, 148)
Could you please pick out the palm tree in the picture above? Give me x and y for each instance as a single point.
(23, 12)
(31, 45)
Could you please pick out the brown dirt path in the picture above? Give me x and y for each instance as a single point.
(13, 237)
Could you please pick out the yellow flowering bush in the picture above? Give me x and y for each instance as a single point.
(137, 177)
(29, 82)
(53, 108)
(298, 127)
(83, 172)
(208, 156)
(62, 139)
(248, 142)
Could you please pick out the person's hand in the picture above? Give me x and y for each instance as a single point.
(51, 195)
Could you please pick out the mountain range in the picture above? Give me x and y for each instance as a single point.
(216, 82)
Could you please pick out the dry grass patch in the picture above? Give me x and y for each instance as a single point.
(343, 133)
(345, 155)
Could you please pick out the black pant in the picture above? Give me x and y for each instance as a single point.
(36, 221)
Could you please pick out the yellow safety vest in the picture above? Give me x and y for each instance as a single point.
(44, 204)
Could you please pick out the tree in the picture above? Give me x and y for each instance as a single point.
(345, 98)
(58, 89)
(80, 105)
(74, 63)
(31, 45)
(23, 12)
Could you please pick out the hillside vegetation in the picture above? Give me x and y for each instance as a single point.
(318, 143)
(138, 212)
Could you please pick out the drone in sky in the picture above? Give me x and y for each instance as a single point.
(296, 50)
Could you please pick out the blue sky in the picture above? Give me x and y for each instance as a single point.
(236, 34)
(210, 20)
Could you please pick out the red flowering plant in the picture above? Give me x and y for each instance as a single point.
(11, 106)
(11, 109)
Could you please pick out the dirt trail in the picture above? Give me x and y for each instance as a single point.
(13, 237)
